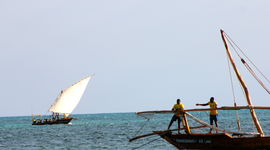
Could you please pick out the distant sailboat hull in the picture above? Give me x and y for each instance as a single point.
(219, 141)
(64, 104)
(51, 122)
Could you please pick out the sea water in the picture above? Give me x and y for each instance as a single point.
(110, 131)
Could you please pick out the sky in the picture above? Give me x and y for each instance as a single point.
(145, 54)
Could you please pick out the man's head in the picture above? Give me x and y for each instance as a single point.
(212, 99)
(178, 101)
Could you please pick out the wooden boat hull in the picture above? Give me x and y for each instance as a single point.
(51, 122)
(220, 141)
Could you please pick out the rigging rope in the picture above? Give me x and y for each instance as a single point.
(234, 99)
(232, 43)
(238, 56)
(254, 75)
(137, 132)
(147, 117)
(228, 37)
(146, 143)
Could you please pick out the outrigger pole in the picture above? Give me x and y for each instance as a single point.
(252, 112)
(207, 109)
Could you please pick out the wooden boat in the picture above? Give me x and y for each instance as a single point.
(64, 104)
(222, 139)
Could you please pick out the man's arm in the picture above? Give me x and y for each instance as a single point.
(173, 109)
(202, 104)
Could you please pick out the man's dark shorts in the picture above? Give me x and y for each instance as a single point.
(213, 118)
(174, 118)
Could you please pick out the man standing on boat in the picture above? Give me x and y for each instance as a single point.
(178, 113)
(213, 113)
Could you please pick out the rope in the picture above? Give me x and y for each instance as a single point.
(232, 43)
(256, 77)
(234, 99)
(151, 141)
(140, 129)
(229, 41)
(146, 143)
(137, 132)
(248, 58)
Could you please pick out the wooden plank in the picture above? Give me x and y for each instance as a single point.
(208, 109)
(185, 122)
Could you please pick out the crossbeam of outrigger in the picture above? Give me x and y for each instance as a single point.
(207, 109)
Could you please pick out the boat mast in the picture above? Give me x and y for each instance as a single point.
(252, 112)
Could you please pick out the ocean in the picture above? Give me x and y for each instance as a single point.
(109, 131)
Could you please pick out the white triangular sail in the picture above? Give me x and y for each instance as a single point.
(70, 97)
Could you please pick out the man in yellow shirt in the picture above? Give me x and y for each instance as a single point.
(178, 113)
(213, 113)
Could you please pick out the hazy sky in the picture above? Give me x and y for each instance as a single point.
(145, 53)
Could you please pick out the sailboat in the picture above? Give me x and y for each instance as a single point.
(222, 139)
(64, 104)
